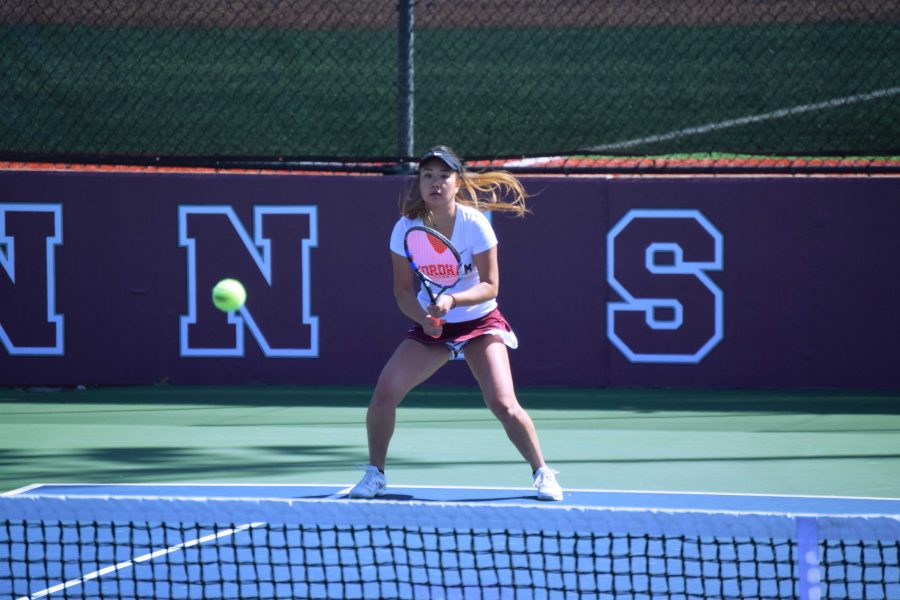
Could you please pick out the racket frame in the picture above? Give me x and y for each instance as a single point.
(426, 282)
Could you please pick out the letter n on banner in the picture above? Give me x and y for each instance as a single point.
(273, 263)
(29, 236)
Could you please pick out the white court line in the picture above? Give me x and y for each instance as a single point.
(664, 137)
(340, 494)
(140, 559)
(172, 484)
(22, 490)
(775, 114)
(345, 488)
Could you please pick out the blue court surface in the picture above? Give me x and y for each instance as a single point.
(297, 541)
(819, 505)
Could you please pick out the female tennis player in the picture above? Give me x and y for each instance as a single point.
(464, 321)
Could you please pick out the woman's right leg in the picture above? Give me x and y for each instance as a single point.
(411, 364)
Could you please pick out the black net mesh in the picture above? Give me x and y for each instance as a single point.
(258, 560)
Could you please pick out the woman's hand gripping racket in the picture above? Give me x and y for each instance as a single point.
(435, 261)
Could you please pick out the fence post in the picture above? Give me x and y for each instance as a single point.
(405, 88)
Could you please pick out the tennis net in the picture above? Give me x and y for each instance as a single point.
(118, 547)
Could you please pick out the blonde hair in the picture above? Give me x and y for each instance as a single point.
(483, 191)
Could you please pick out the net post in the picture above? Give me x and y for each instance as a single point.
(405, 85)
(808, 559)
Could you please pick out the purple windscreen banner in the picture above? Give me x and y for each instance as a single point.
(105, 279)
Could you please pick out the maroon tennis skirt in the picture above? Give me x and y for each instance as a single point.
(492, 323)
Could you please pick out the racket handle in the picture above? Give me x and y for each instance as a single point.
(437, 323)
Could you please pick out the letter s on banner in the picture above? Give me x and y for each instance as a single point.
(657, 262)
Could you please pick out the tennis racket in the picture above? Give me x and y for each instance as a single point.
(434, 260)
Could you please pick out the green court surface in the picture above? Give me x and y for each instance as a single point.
(749, 442)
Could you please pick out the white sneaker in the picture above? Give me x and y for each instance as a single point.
(546, 484)
(372, 484)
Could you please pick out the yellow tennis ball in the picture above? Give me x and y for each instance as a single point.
(229, 295)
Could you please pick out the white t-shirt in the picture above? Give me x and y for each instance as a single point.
(472, 234)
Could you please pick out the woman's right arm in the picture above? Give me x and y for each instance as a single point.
(405, 295)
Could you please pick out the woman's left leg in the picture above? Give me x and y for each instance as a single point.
(489, 362)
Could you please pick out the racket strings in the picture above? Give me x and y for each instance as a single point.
(433, 258)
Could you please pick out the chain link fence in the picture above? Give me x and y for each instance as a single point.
(532, 85)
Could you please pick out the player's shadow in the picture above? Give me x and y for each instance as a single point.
(469, 500)
(410, 498)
